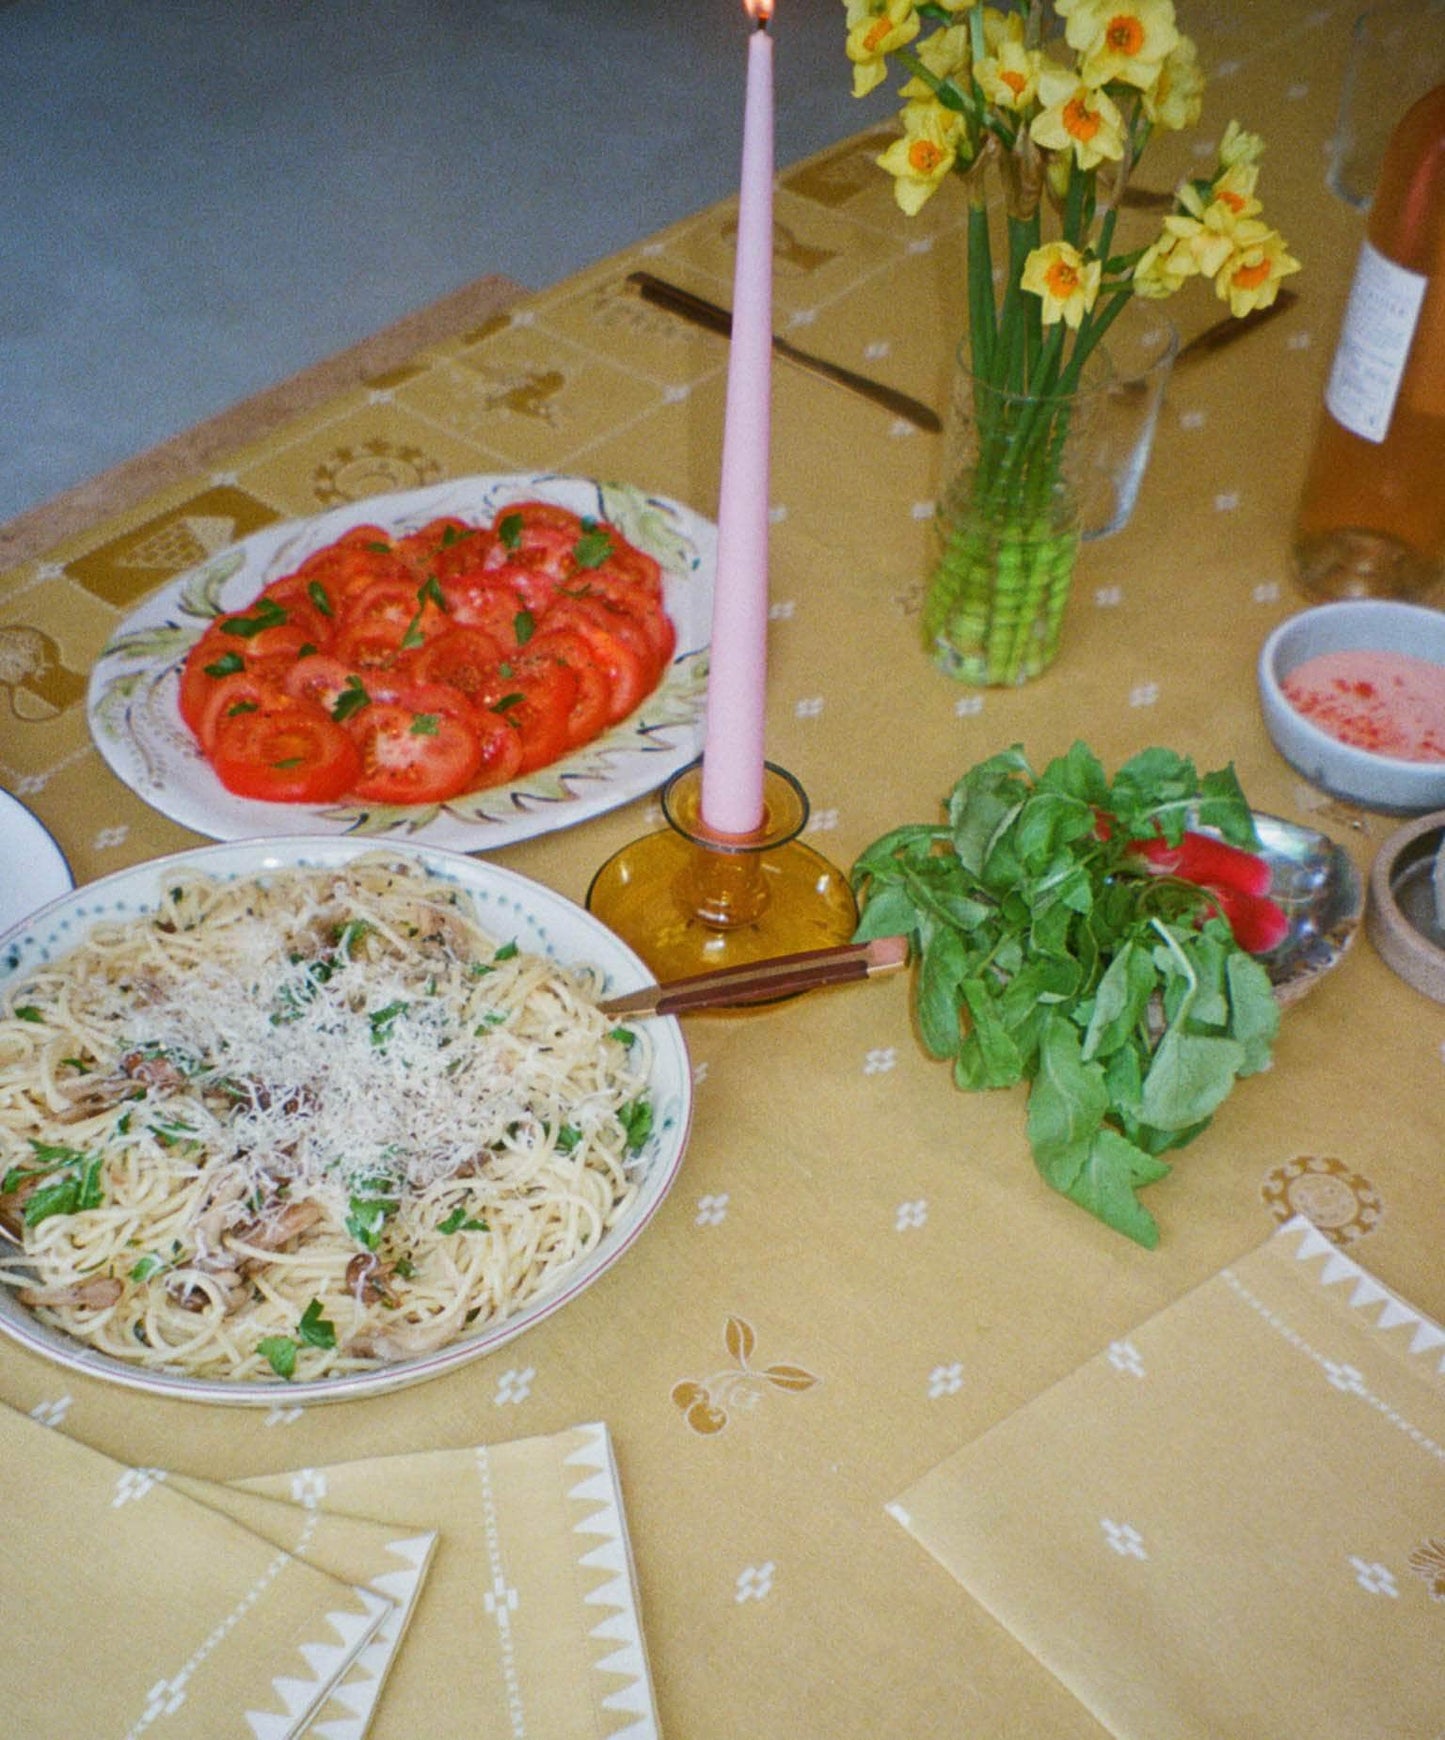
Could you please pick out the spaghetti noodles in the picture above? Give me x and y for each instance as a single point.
(306, 1123)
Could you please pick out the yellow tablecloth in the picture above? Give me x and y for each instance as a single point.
(842, 1209)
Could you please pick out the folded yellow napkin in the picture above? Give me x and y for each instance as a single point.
(1230, 1524)
(174, 1617)
(528, 1621)
(390, 1561)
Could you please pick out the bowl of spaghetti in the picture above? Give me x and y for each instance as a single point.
(308, 1119)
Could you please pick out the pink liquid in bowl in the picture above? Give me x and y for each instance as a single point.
(1386, 702)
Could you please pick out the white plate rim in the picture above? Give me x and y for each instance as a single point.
(36, 869)
(556, 925)
(135, 722)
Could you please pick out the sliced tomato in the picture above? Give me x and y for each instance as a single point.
(403, 688)
(478, 601)
(591, 709)
(466, 659)
(326, 682)
(287, 753)
(255, 636)
(535, 699)
(210, 661)
(633, 567)
(444, 545)
(247, 692)
(386, 620)
(622, 597)
(412, 758)
(353, 562)
(620, 647)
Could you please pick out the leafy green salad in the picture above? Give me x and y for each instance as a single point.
(1098, 939)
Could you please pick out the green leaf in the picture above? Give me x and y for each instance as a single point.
(636, 1119)
(1254, 1010)
(941, 970)
(996, 1060)
(1067, 1104)
(314, 1329)
(460, 1221)
(509, 530)
(352, 699)
(1120, 1002)
(592, 549)
(1106, 1182)
(279, 1352)
(1190, 1076)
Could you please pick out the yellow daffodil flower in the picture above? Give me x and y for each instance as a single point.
(1066, 281)
(947, 54)
(1076, 118)
(1215, 228)
(1176, 98)
(1237, 146)
(1010, 77)
(875, 31)
(1163, 268)
(927, 151)
(1251, 278)
(1122, 40)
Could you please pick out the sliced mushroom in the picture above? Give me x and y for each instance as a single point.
(273, 1229)
(370, 1280)
(97, 1294)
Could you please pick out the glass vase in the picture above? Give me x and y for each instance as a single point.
(1018, 471)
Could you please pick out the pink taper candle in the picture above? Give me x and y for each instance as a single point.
(732, 762)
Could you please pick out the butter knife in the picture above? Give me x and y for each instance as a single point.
(688, 306)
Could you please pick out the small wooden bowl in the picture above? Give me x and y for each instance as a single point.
(1405, 913)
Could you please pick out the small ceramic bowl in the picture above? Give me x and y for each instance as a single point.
(1384, 783)
(1406, 916)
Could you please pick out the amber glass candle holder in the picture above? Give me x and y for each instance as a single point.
(689, 899)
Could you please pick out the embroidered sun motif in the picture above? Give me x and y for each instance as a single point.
(1340, 1203)
(1428, 1562)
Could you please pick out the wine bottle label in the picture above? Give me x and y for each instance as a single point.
(1374, 344)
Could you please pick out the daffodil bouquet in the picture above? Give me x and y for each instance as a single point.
(1054, 103)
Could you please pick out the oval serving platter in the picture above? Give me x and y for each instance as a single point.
(134, 686)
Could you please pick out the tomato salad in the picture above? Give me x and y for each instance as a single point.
(412, 669)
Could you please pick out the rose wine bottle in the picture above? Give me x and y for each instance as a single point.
(1371, 520)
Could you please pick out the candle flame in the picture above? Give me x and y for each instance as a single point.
(760, 11)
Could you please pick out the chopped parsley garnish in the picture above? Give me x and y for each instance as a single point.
(524, 626)
(28, 1012)
(314, 1329)
(268, 614)
(425, 724)
(316, 592)
(460, 1221)
(636, 1119)
(229, 664)
(507, 951)
(509, 530)
(74, 1182)
(352, 699)
(592, 549)
(383, 1020)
